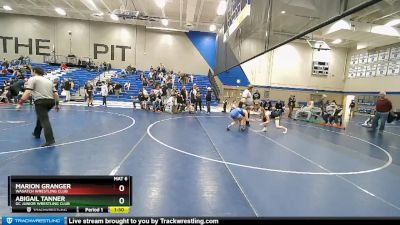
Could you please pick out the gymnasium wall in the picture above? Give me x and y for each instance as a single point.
(192, 52)
(291, 66)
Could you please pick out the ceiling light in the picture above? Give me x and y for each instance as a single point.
(91, 5)
(337, 41)
(160, 3)
(114, 17)
(283, 11)
(6, 7)
(266, 33)
(222, 8)
(60, 11)
(385, 30)
(166, 29)
(393, 23)
(213, 27)
(164, 22)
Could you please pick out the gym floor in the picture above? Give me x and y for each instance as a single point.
(186, 165)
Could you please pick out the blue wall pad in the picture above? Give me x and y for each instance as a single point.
(231, 76)
(205, 43)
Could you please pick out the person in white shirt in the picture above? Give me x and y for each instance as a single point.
(247, 99)
(127, 86)
(173, 79)
(171, 104)
(247, 96)
(146, 97)
(104, 92)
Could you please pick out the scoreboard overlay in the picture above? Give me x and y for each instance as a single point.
(90, 194)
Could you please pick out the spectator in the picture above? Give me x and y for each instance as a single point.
(89, 93)
(247, 97)
(63, 67)
(352, 106)
(330, 113)
(104, 93)
(193, 94)
(127, 86)
(208, 100)
(184, 93)
(117, 89)
(141, 100)
(383, 106)
(67, 89)
(279, 106)
(198, 99)
(256, 99)
(291, 104)
(225, 103)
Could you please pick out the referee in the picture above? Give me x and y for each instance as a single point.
(45, 97)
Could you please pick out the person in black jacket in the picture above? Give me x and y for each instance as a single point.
(15, 88)
(352, 107)
(256, 100)
(291, 104)
(67, 89)
(208, 99)
(279, 107)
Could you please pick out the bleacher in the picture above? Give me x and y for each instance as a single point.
(201, 81)
(81, 76)
(44, 66)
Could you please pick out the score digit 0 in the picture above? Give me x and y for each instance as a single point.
(121, 188)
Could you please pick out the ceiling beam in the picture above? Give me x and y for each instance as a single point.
(91, 7)
(190, 10)
(33, 3)
(141, 7)
(75, 9)
(180, 12)
(199, 13)
(105, 5)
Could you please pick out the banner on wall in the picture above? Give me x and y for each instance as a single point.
(41, 47)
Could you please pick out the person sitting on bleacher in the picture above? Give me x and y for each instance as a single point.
(137, 99)
(151, 100)
(181, 102)
(338, 116)
(127, 86)
(157, 103)
(145, 82)
(117, 89)
(98, 83)
(5, 64)
(129, 70)
(305, 111)
(171, 106)
(110, 87)
(329, 113)
(63, 67)
(141, 99)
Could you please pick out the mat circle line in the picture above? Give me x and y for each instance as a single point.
(387, 163)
